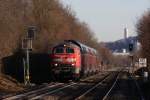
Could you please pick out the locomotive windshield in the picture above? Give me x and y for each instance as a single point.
(59, 50)
(63, 50)
(69, 50)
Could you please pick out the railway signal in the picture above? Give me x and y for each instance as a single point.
(131, 47)
(27, 47)
(31, 32)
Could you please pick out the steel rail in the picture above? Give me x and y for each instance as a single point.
(57, 90)
(89, 90)
(107, 94)
(51, 92)
(30, 92)
(138, 88)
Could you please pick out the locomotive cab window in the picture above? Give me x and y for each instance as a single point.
(59, 50)
(69, 50)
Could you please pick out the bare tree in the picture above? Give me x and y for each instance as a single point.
(143, 29)
(54, 23)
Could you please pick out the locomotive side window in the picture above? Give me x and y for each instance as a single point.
(59, 50)
(69, 50)
(84, 50)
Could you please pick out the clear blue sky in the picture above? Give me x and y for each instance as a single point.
(107, 18)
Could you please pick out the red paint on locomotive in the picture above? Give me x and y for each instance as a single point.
(73, 58)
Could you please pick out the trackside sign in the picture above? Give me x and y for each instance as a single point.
(142, 62)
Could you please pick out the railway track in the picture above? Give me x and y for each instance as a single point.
(107, 88)
(124, 88)
(97, 91)
(95, 87)
(48, 89)
(73, 92)
(61, 89)
(33, 93)
(50, 92)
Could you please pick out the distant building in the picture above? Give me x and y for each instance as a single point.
(121, 47)
(124, 50)
(123, 53)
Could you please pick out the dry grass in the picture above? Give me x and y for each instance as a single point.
(9, 84)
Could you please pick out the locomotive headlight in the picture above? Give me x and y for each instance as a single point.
(71, 59)
(73, 64)
(55, 64)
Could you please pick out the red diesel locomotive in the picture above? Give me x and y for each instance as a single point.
(72, 59)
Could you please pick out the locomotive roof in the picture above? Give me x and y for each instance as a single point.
(83, 47)
(67, 44)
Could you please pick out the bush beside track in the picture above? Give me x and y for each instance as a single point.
(39, 67)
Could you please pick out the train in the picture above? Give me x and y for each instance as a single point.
(74, 60)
